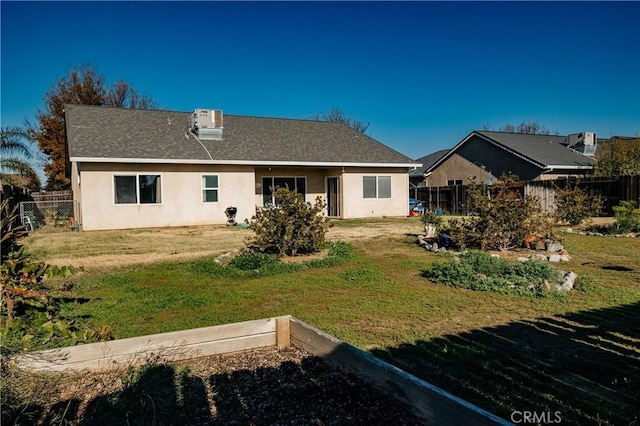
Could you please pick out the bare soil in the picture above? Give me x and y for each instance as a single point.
(99, 250)
(265, 386)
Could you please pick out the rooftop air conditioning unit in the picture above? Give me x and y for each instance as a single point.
(585, 143)
(207, 123)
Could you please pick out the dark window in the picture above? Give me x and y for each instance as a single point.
(134, 189)
(210, 188)
(376, 186)
(269, 184)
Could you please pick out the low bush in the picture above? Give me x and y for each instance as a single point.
(257, 265)
(291, 227)
(574, 205)
(253, 260)
(477, 270)
(501, 218)
(627, 218)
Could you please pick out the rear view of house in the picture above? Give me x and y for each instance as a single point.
(150, 168)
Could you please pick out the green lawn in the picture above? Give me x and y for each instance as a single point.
(578, 355)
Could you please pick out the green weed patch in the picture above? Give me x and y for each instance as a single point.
(477, 270)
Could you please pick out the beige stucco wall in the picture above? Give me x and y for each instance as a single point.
(354, 205)
(457, 168)
(239, 186)
(181, 196)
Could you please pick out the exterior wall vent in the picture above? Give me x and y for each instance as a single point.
(585, 143)
(207, 123)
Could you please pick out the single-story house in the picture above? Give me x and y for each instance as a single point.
(152, 168)
(486, 155)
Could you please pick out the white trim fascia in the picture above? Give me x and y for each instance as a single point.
(554, 167)
(237, 162)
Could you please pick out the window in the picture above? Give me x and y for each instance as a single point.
(137, 189)
(210, 188)
(452, 182)
(376, 186)
(269, 184)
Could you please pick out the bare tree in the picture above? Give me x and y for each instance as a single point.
(336, 115)
(529, 128)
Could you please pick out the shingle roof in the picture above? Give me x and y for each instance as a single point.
(99, 133)
(429, 160)
(545, 150)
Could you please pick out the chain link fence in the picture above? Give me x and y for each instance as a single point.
(53, 214)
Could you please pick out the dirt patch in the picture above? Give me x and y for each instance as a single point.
(266, 386)
(101, 250)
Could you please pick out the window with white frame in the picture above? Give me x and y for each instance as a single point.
(137, 189)
(270, 183)
(209, 188)
(376, 186)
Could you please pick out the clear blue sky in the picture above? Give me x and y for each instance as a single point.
(423, 74)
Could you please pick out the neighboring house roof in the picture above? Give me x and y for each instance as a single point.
(427, 161)
(544, 151)
(99, 134)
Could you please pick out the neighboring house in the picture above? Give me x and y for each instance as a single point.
(417, 177)
(149, 168)
(485, 156)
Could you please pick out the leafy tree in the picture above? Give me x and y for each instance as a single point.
(15, 151)
(619, 157)
(82, 86)
(336, 115)
(291, 227)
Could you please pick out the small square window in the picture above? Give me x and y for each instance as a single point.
(210, 188)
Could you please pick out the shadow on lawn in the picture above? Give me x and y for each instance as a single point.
(584, 365)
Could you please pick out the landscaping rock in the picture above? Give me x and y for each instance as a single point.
(553, 246)
(434, 247)
(555, 258)
(522, 259)
(545, 285)
(538, 256)
(568, 280)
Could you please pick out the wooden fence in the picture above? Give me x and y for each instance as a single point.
(424, 399)
(613, 190)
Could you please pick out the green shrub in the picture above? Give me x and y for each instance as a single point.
(501, 217)
(32, 314)
(253, 260)
(256, 265)
(477, 270)
(574, 205)
(291, 227)
(627, 217)
(430, 217)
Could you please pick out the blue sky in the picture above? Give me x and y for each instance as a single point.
(423, 74)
